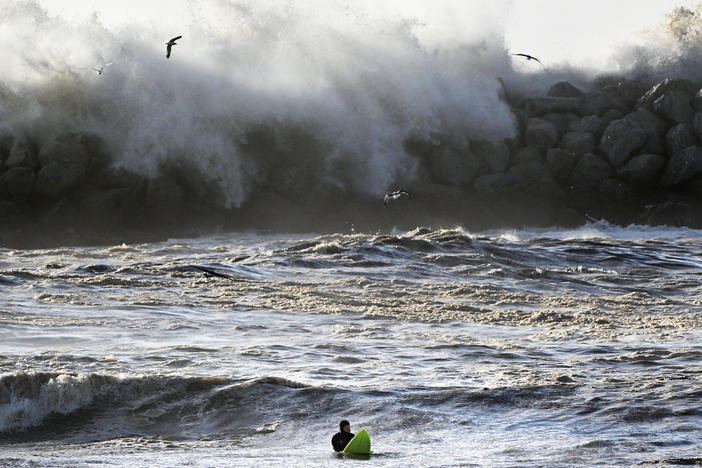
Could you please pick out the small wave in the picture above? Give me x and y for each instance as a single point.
(102, 406)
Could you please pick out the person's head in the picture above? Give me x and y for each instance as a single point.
(345, 426)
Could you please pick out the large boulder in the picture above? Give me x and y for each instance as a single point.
(453, 166)
(541, 134)
(560, 162)
(540, 106)
(17, 182)
(589, 172)
(562, 121)
(679, 137)
(674, 106)
(590, 123)
(533, 178)
(682, 166)
(640, 131)
(494, 155)
(564, 89)
(654, 127)
(643, 169)
(626, 91)
(492, 185)
(697, 125)
(578, 142)
(666, 86)
(598, 103)
(526, 154)
(621, 139)
(64, 162)
(616, 190)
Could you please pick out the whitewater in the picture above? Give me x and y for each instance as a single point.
(527, 347)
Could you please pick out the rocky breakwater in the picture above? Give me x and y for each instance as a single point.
(68, 189)
(625, 152)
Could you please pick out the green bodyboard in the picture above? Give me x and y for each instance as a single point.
(359, 444)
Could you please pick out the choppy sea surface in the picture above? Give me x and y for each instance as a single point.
(555, 347)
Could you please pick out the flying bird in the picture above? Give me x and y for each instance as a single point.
(171, 43)
(100, 70)
(395, 195)
(529, 57)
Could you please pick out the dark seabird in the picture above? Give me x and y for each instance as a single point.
(529, 57)
(394, 195)
(99, 70)
(171, 43)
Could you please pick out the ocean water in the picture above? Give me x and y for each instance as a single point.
(546, 347)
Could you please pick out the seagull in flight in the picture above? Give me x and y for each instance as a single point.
(171, 43)
(529, 57)
(395, 195)
(100, 70)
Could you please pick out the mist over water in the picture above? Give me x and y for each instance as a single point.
(267, 103)
(253, 90)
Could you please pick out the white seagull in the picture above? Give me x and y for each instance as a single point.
(395, 195)
(171, 43)
(100, 70)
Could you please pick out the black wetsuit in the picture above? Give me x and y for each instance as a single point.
(340, 440)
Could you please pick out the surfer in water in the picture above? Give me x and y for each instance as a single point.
(342, 437)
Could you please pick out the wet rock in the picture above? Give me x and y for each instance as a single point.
(679, 137)
(626, 91)
(533, 178)
(526, 154)
(598, 103)
(560, 162)
(612, 115)
(674, 106)
(590, 123)
(654, 127)
(491, 185)
(697, 126)
(616, 190)
(642, 169)
(697, 101)
(64, 163)
(621, 139)
(561, 121)
(541, 106)
(17, 182)
(22, 154)
(666, 86)
(578, 142)
(495, 155)
(564, 89)
(682, 166)
(639, 131)
(589, 171)
(541, 133)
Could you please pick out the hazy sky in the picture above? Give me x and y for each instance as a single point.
(580, 32)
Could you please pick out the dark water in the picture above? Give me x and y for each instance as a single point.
(562, 348)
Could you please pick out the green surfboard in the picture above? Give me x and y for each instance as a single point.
(359, 444)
